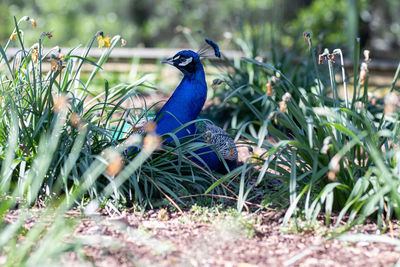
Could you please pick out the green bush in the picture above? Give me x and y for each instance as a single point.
(331, 155)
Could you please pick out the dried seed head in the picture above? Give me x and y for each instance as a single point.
(363, 76)
(364, 66)
(115, 163)
(366, 55)
(326, 143)
(60, 103)
(392, 98)
(332, 176)
(75, 120)
(306, 36)
(269, 89)
(259, 59)
(391, 104)
(151, 142)
(150, 127)
(363, 72)
(123, 42)
(307, 39)
(372, 99)
(286, 97)
(334, 163)
(48, 34)
(332, 57)
(282, 106)
(271, 115)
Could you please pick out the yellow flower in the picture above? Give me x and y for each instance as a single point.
(34, 55)
(33, 23)
(54, 64)
(104, 41)
(13, 35)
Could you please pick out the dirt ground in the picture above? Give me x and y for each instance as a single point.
(160, 238)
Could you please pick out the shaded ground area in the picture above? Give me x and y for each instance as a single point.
(161, 238)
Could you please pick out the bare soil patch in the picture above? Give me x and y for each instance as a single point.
(161, 238)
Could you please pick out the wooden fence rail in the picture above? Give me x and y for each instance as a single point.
(155, 54)
(381, 71)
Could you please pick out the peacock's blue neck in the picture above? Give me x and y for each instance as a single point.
(185, 104)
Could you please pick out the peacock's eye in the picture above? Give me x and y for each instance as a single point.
(183, 61)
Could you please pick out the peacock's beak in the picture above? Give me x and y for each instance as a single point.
(168, 61)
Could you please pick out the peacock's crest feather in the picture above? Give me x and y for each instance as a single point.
(211, 49)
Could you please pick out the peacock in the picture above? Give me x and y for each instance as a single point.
(185, 105)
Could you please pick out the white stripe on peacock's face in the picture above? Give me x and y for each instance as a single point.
(185, 62)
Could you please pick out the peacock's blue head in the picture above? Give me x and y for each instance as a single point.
(186, 61)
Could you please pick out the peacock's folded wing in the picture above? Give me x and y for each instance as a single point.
(221, 140)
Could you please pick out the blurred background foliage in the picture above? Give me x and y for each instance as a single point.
(155, 23)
